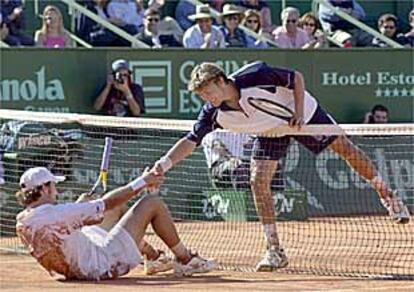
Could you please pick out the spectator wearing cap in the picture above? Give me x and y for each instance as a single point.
(12, 12)
(150, 33)
(186, 8)
(233, 35)
(251, 20)
(410, 35)
(203, 34)
(263, 8)
(387, 26)
(289, 35)
(120, 96)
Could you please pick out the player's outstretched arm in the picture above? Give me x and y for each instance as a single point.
(123, 194)
(182, 149)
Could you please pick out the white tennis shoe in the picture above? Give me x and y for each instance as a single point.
(396, 208)
(196, 265)
(162, 264)
(275, 258)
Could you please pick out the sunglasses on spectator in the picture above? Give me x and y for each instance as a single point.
(252, 21)
(309, 24)
(389, 27)
(291, 21)
(153, 19)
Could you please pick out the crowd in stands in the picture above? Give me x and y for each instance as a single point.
(214, 24)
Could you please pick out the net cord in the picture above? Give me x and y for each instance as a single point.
(395, 129)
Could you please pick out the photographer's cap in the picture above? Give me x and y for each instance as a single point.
(38, 176)
(119, 65)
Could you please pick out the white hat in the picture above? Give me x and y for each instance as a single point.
(38, 176)
(230, 9)
(202, 11)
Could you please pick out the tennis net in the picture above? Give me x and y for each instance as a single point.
(330, 220)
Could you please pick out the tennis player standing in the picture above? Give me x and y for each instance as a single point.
(65, 238)
(231, 104)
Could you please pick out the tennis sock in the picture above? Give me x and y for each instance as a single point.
(180, 251)
(271, 235)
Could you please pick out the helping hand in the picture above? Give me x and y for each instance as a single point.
(152, 178)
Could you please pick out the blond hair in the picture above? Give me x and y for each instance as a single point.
(204, 73)
(53, 8)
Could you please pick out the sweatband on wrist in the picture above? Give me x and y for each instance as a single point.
(137, 184)
(165, 163)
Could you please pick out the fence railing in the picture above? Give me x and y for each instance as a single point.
(354, 21)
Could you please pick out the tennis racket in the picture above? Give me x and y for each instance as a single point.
(271, 108)
(103, 173)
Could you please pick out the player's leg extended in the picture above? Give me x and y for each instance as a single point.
(365, 168)
(151, 210)
(261, 177)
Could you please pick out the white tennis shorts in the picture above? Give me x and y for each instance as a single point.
(110, 254)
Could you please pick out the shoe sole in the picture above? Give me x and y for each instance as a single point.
(271, 268)
(402, 220)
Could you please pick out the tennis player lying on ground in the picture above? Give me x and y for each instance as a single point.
(65, 238)
(235, 102)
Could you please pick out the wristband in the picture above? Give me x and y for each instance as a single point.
(165, 163)
(137, 184)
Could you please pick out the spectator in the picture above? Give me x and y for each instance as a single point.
(252, 21)
(121, 97)
(309, 23)
(378, 115)
(127, 14)
(168, 25)
(150, 33)
(345, 31)
(203, 34)
(13, 17)
(184, 9)
(93, 32)
(264, 10)
(228, 156)
(410, 35)
(387, 26)
(223, 151)
(4, 30)
(233, 35)
(289, 35)
(53, 34)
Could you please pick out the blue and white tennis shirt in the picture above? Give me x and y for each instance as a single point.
(257, 80)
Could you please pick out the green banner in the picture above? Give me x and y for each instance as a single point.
(346, 82)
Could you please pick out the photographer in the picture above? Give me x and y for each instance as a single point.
(377, 115)
(120, 97)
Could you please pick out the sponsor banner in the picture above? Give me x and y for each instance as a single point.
(70, 80)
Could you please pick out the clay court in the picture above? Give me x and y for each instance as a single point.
(20, 272)
(325, 254)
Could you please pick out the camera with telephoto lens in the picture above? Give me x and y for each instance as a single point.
(118, 78)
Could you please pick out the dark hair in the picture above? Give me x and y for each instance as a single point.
(379, 107)
(387, 17)
(309, 15)
(151, 12)
(27, 196)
